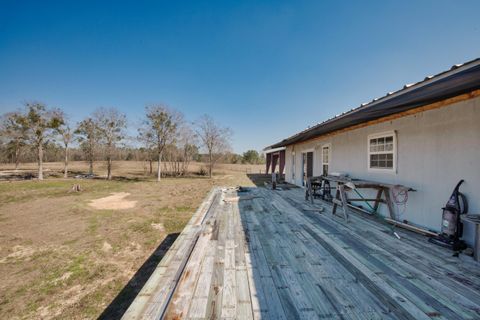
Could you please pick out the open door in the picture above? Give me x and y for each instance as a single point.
(307, 166)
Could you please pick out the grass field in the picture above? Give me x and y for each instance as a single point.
(62, 258)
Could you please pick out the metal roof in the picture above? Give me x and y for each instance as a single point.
(275, 150)
(459, 79)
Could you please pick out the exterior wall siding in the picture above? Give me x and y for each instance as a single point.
(435, 149)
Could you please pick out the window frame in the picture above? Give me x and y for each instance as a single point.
(329, 146)
(394, 152)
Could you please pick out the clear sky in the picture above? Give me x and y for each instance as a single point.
(266, 69)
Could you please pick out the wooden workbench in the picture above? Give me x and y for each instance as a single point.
(345, 184)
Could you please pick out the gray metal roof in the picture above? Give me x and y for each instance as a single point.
(459, 79)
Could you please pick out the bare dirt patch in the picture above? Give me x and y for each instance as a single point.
(18, 253)
(158, 226)
(116, 201)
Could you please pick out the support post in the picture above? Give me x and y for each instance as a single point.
(388, 200)
(335, 203)
(343, 198)
(378, 198)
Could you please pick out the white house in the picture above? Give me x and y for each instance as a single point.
(425, 136)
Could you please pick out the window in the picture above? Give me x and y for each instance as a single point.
(325, 158)
(382, 151)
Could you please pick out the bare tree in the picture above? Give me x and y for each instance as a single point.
(180, 153)
(145, 136)
(162, 123)
(14, 135)
(215, 139)
(188, 146)
(111, 125)
(88, 135)
(40, 123)
(66, 135)
(172, 159)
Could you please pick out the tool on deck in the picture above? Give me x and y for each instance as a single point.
(452, 226)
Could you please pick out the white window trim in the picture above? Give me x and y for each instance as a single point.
(380, 135)
(329, 146)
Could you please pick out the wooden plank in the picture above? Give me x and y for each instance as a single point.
(178, 307)
(423, 291)
(441, 267)
(386, 292)
(244, 303)
(303, 271)
(291, 293)
(343, 198)
(388, 200)
(350, 298)
(411, 228)
(366, 199)
(336, 201)
(229, 299)
(214, 304)
(257, 294)
(430, 257)
(228, 305)
(274, 308)
(398, 302)
(261, 276)
(198, 306)
(378, 199)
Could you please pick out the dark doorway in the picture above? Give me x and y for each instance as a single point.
(307, 158)
(309, 164)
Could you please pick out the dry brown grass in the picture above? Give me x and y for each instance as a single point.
(60, 258)
(125, 169)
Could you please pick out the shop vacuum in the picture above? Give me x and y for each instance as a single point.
(452, 226)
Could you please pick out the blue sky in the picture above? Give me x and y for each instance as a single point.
(266, 69)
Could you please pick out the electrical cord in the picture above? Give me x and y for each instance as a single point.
(400, 198)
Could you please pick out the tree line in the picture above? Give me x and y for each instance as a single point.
(165, 137)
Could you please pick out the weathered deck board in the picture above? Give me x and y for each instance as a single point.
(444, 301)
(268, 254)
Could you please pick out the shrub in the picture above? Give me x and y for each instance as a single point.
(202, 172)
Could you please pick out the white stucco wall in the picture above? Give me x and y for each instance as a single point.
(435, 149)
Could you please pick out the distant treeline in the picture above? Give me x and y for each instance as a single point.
(54, 152)
(38, 133)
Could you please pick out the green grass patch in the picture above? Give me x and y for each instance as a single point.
(183, 209)
(78, 267)
(142, 226)
(175, 222)
(93, 224)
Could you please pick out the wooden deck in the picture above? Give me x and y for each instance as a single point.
(270, 255)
